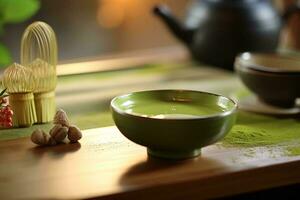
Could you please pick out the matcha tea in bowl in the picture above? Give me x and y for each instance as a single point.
(173, 124)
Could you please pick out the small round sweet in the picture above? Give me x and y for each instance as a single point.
(61, 118)
(74, 133)
(39, 137)
(51, 142)
(59, 132)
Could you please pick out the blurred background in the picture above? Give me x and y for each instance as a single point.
(89, 28)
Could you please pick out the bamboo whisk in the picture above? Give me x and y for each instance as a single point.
(19, 82)
(39, 53)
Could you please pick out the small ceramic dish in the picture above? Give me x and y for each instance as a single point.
(276, 84)
(247, 101)
(173, 124)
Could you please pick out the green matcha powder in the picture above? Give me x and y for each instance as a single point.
(252, 130)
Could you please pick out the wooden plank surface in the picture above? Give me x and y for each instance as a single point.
(108, 166)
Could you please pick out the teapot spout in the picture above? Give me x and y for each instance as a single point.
(181, 32)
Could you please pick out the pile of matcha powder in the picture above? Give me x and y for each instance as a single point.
(253, 130)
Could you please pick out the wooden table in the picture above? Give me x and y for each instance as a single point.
(105, 165)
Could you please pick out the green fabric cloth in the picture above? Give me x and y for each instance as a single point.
(83, 121)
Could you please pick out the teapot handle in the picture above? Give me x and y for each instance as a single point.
(292, 9)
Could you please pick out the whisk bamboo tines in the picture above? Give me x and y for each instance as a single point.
(19, 82)
(39, 52)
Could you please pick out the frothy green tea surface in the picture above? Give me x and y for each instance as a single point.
(174, 116)
(174, 110)
(173, 104)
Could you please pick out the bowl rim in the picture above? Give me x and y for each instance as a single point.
(239, 68)
(260, 68)
(136, 115)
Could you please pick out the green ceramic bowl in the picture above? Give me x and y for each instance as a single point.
(173, 124)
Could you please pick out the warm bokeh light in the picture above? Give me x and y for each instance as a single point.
(111, 13)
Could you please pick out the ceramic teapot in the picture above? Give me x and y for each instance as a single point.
(215, 31)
